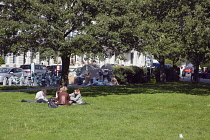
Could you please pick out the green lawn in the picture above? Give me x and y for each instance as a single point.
(133, 112)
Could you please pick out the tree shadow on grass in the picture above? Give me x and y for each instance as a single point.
(201, 89)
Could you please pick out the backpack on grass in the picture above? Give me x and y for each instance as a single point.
(52, 104)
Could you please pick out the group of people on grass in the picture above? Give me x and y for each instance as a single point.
(62, 97)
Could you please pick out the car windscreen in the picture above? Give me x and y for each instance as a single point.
(54, 67)
(188, 68)
(25, 66)
(4, 70)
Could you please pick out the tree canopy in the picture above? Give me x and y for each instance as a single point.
(170, 29)
(196, 32)
(166, 29)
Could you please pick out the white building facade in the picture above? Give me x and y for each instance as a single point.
(12, 60)
(133, 58)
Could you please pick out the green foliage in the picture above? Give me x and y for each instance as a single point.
(128, 74)
(205, 65)
(158, 29)
(168, 61)
(172, 74)
(166, 29)
(17, 22)
(175, 28)
(113, 29)
(195, 33)
(1, 61)
(46, 26)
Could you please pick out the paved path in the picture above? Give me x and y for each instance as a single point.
(188, 78)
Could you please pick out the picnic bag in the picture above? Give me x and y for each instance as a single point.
(52, 104)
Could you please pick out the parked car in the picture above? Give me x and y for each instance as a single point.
(204, 74)
(7, 72)
(55, 69)
(189, 69)
(39, 70)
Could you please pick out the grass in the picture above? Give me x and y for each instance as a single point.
(132, 112)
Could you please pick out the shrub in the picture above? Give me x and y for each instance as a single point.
(172, 74)
(128, 74)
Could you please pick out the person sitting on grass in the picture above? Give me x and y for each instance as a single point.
(76, 97)
(114, 81)
(40, 97)
(63, 97)
(58, 91)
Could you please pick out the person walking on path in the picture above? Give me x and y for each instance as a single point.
(183, 74)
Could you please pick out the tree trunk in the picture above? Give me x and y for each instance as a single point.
(162, 70)
(195, 78)
(65, 69)
(176, 73)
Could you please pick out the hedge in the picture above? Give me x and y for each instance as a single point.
(129, 74)
(134, 74)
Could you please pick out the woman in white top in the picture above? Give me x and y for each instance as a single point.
(58, 91)
(40, 97)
